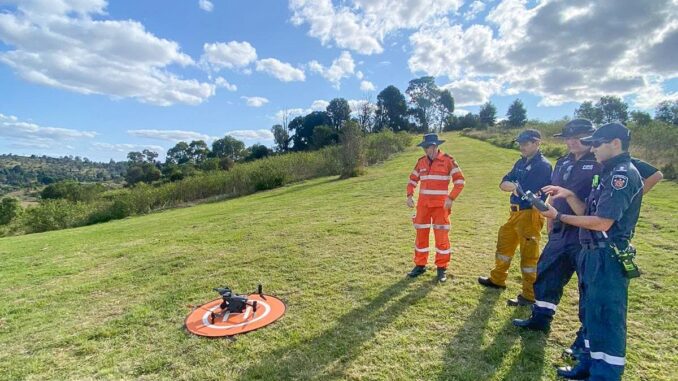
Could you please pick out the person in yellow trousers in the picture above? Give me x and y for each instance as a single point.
(433, 172)
(523, 228)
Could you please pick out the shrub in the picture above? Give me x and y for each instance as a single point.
(9, 210)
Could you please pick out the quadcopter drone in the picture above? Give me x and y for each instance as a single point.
(233, 303)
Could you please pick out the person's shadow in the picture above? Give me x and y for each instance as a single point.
(330, 353)
(466, 359)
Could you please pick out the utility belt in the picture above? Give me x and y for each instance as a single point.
(561, 228)
(623, 251)
(516, 207)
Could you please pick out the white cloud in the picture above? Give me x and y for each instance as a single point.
(474, 9)
(362, 25)
(280, 70)
(59, 44)
(127, 147)
(367, 86)
(468, 92)
(26, 134)
(169, 135)
(319, 105)
(228, 55)
(252, 135)
(290, 113)
(221, 82)
(341, 67)
(255, 101)
(555, 51)
(359, 74)
(206, 5)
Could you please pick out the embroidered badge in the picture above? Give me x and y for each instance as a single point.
(619, 182)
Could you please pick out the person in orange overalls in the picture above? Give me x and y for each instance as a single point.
(434, 170)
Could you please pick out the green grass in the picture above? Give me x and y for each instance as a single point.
(108, 301)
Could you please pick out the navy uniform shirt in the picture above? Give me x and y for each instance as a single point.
(532, 175)
(616, 196)
(577, 176)
(645, 169)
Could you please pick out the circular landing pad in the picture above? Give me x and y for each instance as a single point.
(269, 309)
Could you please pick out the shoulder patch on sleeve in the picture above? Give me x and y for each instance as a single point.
(619, 182)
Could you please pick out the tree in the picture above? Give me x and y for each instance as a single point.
(391, 110)
(229, 147)
(488, 114)
(667, 112)
(587, 111)
(281, 137)
(366, 115)
(445, 107)
(516, 114)
(323, 136)
(352, 150)
(612, 109)
(258, 151)
(141, 172)
(179, 154)
(303, 128)
(198, 151)
(641, 118)
(149, 156)
(339, 112)
(135, 157)
(424, 95)
(10, 208)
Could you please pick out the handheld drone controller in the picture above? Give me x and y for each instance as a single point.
(532, 198)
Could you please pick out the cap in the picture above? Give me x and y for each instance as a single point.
(607, 133)
(576, 127)
(429, 140)
(528, 135)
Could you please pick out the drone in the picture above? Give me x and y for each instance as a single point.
(233, 303)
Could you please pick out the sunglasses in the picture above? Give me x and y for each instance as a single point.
(599, 143)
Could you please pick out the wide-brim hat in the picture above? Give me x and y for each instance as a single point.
(429, 140)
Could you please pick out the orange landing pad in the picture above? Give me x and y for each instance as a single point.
(269, 309)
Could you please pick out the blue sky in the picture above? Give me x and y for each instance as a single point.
(99, 79)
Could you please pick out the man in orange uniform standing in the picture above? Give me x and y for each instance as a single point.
(435, 170)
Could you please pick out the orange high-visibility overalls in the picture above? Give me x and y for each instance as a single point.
(435, 176)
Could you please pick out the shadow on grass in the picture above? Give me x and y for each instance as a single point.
(332, 351)
(466, 359)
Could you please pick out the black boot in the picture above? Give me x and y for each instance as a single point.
(485, 281)
(416, 271)
(520, 300)
(534, 323)
(442, 274)
(579, 371)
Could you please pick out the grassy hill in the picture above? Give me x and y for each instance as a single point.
(108, 301)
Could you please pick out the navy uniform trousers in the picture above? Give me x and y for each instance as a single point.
(605, 293)
(558, 262)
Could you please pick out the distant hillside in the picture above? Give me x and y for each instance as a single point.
(18, 172)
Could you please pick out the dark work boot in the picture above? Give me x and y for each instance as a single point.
(520, 300)
(534, 323)
(579, 371)
(485, 281)
(442, 274)
(416, 271)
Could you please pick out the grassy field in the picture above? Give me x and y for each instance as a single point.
(108, 301)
